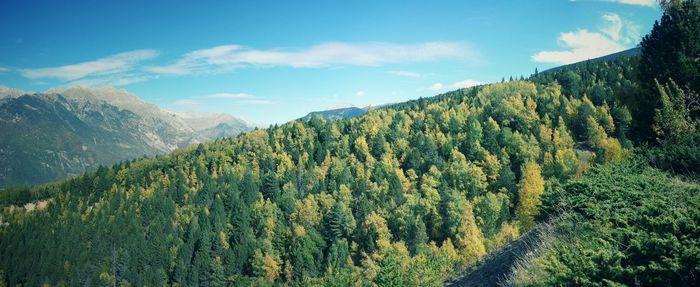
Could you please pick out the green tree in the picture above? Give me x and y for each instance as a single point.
(337, 222)
(490, 211)
(672, 118)
(669, 51)
(270, 186)
(416, 234)
(390, 274)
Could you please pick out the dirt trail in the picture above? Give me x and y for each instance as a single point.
(493, 269)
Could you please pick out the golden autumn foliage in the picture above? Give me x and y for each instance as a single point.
(469, 240)
(530, 189)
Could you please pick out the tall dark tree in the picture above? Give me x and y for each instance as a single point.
(270, 186)
(670, 51)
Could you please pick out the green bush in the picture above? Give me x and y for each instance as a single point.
(624, 224)
(680, 154)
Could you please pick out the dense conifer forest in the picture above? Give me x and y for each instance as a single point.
(604, 153)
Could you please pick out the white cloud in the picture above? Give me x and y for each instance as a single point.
(131, 67)
(436, 87)
(582, 45)
(113, 80)
(114, 64)
(405, 74)
(614, 26)
(456, 85)
(323, 55)
(647, 3)
(615, 35)
(360, 94)
(465, 84)
(4, 70)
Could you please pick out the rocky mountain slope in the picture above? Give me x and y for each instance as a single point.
(345, 113)
(63, 132)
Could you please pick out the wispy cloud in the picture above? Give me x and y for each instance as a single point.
(405, 74)
(118, 79)
(323, 55)
(647, 3)
(613, 26)
(360, 94)
(111, 65)
(580, 45)
(134, 66)
(4, 70)
(456, 85)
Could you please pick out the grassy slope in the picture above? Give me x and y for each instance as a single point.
(622, 223)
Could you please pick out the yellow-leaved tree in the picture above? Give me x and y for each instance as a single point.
(469, 239)
(530, 189)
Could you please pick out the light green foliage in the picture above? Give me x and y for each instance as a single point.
(672, 118)
(491, 210)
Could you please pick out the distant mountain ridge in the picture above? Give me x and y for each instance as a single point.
(349, 112)
(611, 57)
(63, 132)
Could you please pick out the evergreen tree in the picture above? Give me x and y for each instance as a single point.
(390, 273)
(270, 186)
(669, 52)
(673, 117)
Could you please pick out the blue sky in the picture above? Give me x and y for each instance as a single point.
(273, 61)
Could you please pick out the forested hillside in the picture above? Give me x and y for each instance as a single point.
(406, 195)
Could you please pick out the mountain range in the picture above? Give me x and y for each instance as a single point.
(347, 113)
(64, 132)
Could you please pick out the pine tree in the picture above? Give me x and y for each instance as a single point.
(270, 186)
(669, 52)
(337, 222)
(218, 276)
(596, 135)
(338, 255)
(416, 234)
(672, 118)
(390, 274)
